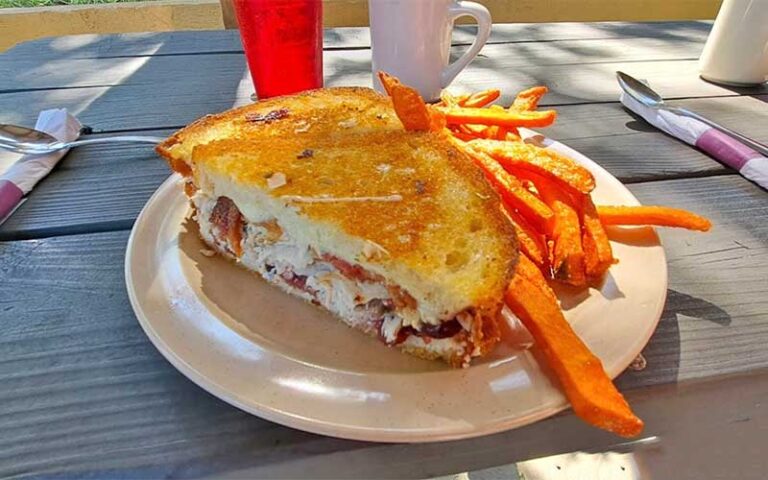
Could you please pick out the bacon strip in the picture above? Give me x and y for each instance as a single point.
(228, 219)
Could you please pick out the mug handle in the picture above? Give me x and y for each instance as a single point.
(483, 17)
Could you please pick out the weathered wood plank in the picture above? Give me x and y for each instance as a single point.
(82, 384)
(224, 41)
(612, 119)
(84, 391)
(98, 188)
(150, 101)
(89, 190)
(682, 418)
(587, 77)
(718, 282)
(29, 73)
(125, 108)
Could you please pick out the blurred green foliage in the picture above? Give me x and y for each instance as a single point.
(49, 3)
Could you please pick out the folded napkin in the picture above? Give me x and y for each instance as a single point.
(722, 147)
(19, 174)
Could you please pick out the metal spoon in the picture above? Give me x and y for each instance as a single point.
(30, 141)
(648, 97)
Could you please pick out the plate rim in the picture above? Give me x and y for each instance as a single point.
(364, 433)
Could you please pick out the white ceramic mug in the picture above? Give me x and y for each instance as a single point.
(411, 39)
(736, 52)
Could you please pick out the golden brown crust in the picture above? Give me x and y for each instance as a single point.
(304, 108)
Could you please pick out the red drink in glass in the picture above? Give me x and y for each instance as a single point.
(283, 42)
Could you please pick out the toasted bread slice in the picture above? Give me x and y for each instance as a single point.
(313, 114)
(326, 195)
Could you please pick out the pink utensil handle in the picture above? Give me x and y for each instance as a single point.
(10, 196)
(725, 148)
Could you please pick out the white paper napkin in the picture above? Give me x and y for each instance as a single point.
(19, 174)
(718, 145)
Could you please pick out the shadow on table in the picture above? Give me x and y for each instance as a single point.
(638, 123)
(663, 350)
(756, 90)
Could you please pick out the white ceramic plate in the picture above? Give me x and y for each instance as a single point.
(281, 359)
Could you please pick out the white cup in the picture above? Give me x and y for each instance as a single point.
(736, 52)
(411, 39)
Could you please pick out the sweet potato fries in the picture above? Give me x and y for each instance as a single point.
(649, 215)
(592, 395)
(547, 197)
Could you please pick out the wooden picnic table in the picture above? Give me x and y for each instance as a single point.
(83, 393)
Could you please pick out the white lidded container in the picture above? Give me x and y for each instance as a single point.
(736, 52)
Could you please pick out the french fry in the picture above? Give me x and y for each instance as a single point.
(463, 136)
(492, 132)
(532, 243)
(598, 255)
(521, 156)
(387, 81)
(528, 270)
(481, 99)
(496, 132)
(501, 133)
(460, 99)
(409, 106)
(590, 255)
(568, 252)
(437, 121)
(512, 135)
(505, 133)
(651, 215)
(487, 116)
(448, 99)
(512, 191)
(529, 99)
(593, 396)
(477, 130)
(465, 130)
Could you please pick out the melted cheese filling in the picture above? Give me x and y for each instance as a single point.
(367, 305)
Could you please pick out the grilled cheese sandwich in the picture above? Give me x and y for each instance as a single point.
(326, 196)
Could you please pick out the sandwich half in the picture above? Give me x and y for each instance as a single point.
(325, 195)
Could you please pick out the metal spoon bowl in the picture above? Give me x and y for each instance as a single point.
(639, 90)
(30, 141)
